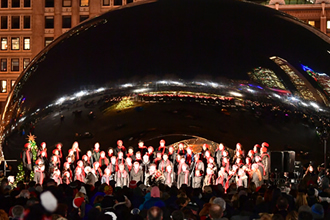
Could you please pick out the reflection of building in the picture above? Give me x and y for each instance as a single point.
(28, 26)
(266, 77)
(322, 79)
(303, 87)
(315, 14)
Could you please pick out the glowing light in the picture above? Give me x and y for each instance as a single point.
(277, 95)
(236, 94)
(100, 89)
(127, 85)
(314, 105)
(162, 82)
(140, 90)
(213, 84)
(304, 104)
(176, 83)
(80, 94)
(250, 90)
(22, 119)
(60, 101)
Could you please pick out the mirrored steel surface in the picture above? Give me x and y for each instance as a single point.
(228, 71)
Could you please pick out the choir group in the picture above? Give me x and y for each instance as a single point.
(167, 165)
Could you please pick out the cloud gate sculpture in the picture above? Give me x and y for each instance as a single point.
(227, 71)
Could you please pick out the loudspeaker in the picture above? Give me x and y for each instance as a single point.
(276, 161)
(289, 159)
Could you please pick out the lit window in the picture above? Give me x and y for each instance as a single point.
(4, 22)
(106, 2)
(3, 86)
(48, 40)
(3, 65)
(13, 83)
(27, 3)
(49, 22)
(84, 3)
(27, 22)
(66, 21)
(27, 43)
(15, 64)
(311, 23)
(66, 3)
(15, 22)
(328, 24)
(4, 3)
(15, 43)
(4, 43)
(26, 62)
(15, 3)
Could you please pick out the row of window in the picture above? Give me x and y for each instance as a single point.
(15, 43)
(15, 4)
(66, 3)
(14, 64)
(66, 21)
(48, 3)
(3, 85)
(317, 24)
(16, 22)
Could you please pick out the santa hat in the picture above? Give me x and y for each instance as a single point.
(263, 149)
(132, 184)
(77, 202)
(119, 142)
(48, 201)
(265, 144)
(26, 145)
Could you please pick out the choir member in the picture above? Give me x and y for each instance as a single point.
(39, 172)
(122, 177)
(103, 161)
(222, 177)
(251, 155)
(80, 164)
(162, 147)
(209, 178)
(59, 148)
(66, 178)
(150, 175)
(106, 176)
(57, 177)
(145, 165)
(72, 156)
(130, 153)
(57, 154)
(164, 163)
(96, 152)
(120, 158)
(110, 153)
(265, 160)
(143, 149)
(198, 164)
(184, 176)
(113, 166)
(138, 157)
(189, 156)
(120, 148)
(256, 148)
(43, 148)
(85, 161)
(197, 179)
(256, 175)
(169, 175)
(97, 170)
(76, 150)
(67, 168)
(53, 165)
(90, 178)
(241, 178)
(27, 158)
(129, 164)
(79, 175)
(181, 151)
(171, 154)
(136, 173)
(218, 154)
(90, 158)
(151, 153)
(158, 158)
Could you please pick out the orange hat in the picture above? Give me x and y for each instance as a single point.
(265, 144)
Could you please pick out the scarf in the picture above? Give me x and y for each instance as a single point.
(163, 166)
(122, 174)
(136, 170)
(263, 168)
(186, 176)
(106, 178)
(189, 158)
(103, 161)
(28, 156)
(89, 159)
(96, 150)
(197, 163)
(180, 150)
(180, 167)
(168, 180)
(60, 153)
(41, 175)
(160, 147)
(220, 179)
(129, 167)
(67, 180)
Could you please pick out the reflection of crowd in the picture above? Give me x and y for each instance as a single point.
(167, 184)
(165, 165)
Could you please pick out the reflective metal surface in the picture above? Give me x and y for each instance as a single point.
(228, 71)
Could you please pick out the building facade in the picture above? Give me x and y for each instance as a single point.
(27, 26)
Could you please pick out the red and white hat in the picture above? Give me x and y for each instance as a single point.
(132, 184)
(77, 202)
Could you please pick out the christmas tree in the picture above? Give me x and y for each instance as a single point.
(34, 149)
